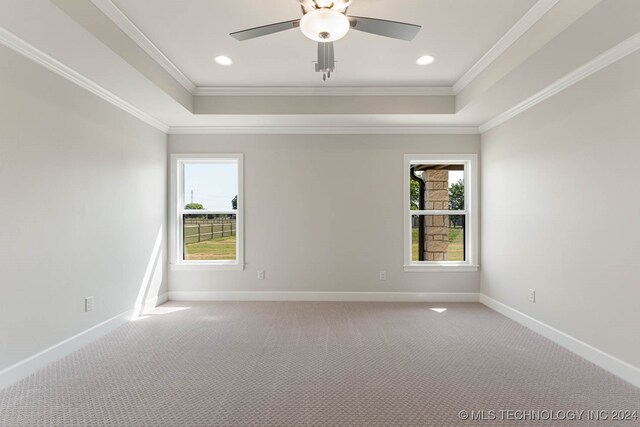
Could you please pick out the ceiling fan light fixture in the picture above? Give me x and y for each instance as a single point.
(324, 25)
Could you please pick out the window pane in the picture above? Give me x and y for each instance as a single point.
(212, 186)
(209, 237)
(442, 237)
(437, 187)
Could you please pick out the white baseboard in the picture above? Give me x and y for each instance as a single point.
(324, 296)
(49, 355)
(156, 301)
(598, 357)
(150, 303)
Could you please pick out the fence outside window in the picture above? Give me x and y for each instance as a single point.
(198, 230)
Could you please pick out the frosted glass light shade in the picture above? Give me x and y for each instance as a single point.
(324, 25)
(324, 3)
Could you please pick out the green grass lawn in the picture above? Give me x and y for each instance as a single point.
(456, 244)
(220, 249)
(224, 249)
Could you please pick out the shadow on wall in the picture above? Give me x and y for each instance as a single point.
(152, 280)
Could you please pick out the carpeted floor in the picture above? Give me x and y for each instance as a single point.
(290, 364)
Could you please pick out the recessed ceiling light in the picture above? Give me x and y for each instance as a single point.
(223, 60)
(425, 60)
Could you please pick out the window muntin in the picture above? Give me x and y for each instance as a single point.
(440, 217)
(209, 210)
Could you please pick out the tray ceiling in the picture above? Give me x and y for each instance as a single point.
(191, 33)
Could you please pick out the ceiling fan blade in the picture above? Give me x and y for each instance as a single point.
(382, 27)
(265, 30)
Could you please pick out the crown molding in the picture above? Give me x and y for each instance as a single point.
(325, 130)
(13, 42)
(609, 57)
(603, 60)
(528, 20)
(324, 91)
(130, 29)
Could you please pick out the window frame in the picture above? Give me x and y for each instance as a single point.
(470, 162)
(177, 211)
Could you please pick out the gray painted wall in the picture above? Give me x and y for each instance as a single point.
(323, 213)
(560, 206)
(83, 202)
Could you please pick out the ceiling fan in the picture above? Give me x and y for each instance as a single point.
(326, 21)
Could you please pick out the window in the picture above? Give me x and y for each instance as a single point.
(208, 211)
(440, 212)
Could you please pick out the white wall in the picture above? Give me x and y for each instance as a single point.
(83, 190)
(323, 213)
(560, 211)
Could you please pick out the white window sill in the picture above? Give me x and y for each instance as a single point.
(440, 268)
(206, 267)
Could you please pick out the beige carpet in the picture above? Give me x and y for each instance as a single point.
(291, 364)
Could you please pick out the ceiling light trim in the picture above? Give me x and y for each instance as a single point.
(324, 91)
(15, 43)
(324, 130)
(138, 37)
(524, 24)
(603, 60)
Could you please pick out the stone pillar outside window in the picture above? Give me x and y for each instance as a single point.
(437, 226)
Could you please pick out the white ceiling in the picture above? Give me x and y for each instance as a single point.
(192, 32)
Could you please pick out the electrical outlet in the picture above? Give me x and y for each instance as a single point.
(260, 274)
(88, 304)
(383, 275)
(532, 295)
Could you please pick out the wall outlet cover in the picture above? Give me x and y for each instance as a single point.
(532, 295)
(88, 304)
